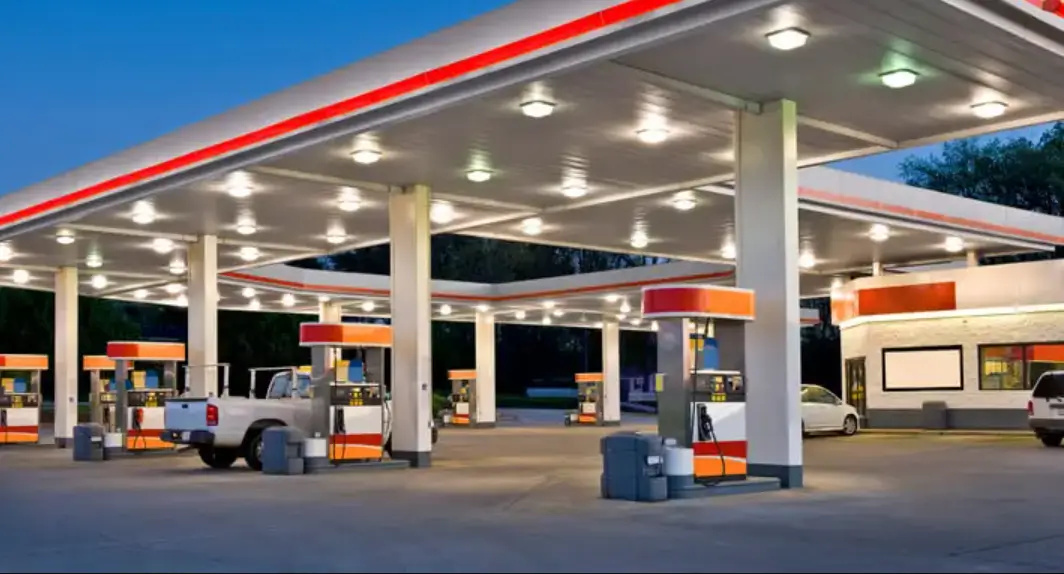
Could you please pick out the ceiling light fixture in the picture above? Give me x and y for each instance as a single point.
(728, 251)
(558, 313)
(898, 78)
(64, 237)
(20, 276)
(636, 322)
(238, 190)
(989, 110)
(248, 292)
(181, 300)
(807, 260)
(652, 135)
(613, 298)
(288, 300)
(445, 309)
(622, 316)
(143, 213)
(368, 306)
(323, 298)
(537, 108)
(546, 321)
(520, 315)
(140, 294)
(441, 212)
(98, 282)
(349, 204)
(6, 253)
(246, 225)
(653, 325)
(336, 236)
(954, 244)
(478, 175)
(684, 203)
(549, 304)
(532, 226)
(625, 307)
(177, 266)
(574, 189)
(162, 245)
(174, 288)
(94, 261)
(366, 156)
(249, 253)
(639, 239)
(599, 325)
(483, 308)
(787, 39)
(254, 305)
(879, 233)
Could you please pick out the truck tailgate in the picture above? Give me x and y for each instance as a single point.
(186, 414)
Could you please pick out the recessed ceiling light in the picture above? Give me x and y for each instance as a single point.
(613, 298)
(162, 245)
(625, 307)
(728, 251)
(6, 253)
(254, 305)
(558, 313)
(181, 300)
(288, 300)
(350, 200)
(177, 266)
(899, 78)
(546, 321)
(143, 213)
(445, 309)
(64, 237)
(636, 322)
(248, 292)
(537, 108)
(366, 156)
(989, 110)
(478, 175)
(140, 294)
(94, 261)
(249, 253)
(879, 233)
(954, 244)
(483, 308)
(441, 212)
(323, 298)
(652, 135)
(549, 304)
(20, 276)
(787, 39)
(246, 225)
(336, 236)
(574, 189)
(174, 288)
(622, 316)
(532, 226)
(520, 315)
(639, 239)
(98, 282)
(684, 203)
(653, 325)
(807, 260)
(599, 325)
(368, 306)
(239, 190)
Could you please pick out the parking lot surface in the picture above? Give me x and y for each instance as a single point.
(525, 498)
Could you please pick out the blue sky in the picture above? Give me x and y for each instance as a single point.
(83, 80)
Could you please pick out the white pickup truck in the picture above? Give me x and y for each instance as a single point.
(224, 429)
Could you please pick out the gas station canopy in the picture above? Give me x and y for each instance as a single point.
(591, 123)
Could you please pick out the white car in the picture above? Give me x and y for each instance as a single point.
(1045, 409)
(823, 412)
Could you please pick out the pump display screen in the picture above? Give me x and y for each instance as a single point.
(19, 401)
(355, 396)
(148, 397)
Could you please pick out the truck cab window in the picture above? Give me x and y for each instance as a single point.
(280, 386)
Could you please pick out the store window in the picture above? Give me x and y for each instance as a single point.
(1017, 367)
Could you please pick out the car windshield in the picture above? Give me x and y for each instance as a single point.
(280, 387)
(1049, 386)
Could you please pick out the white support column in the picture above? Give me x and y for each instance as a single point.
(203, 317)
(66, 355)
(411, 303)
(485, 383)
(611, 373)
(766, 218)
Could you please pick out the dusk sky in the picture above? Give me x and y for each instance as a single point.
(83, 80)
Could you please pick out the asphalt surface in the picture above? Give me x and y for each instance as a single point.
(525, 499)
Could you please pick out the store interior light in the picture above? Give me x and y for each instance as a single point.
(532, 226)
(613, 298)
(989, 110)
(483, 308)
(653, 325)
(896, 79)
(558, 313)
(20, 276)
(64, 237)
(787, 39)
(441, 212)
(546, 321)
(626, 308)
(323, 299)
(249, 253)
(639, 239)
(478, 175)
(99, 282)
(636, 322)
(537, 108)
(445, 309)
(652, 135)
(954, 244)
(246, 225)
(366, 156)
(238, 190)
(879, 233)
(599, 325)
(143, 213)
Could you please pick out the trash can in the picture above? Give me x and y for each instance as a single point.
(282, 451)
(88, 442)
(935, 415)
(633, 467)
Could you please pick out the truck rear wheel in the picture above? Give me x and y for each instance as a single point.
(219, 458)
(253, 450)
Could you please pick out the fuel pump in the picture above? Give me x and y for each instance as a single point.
(141, 394)
(589, 387)
(20, 398)
(351, 408)
(463, 398)
(102, 393)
